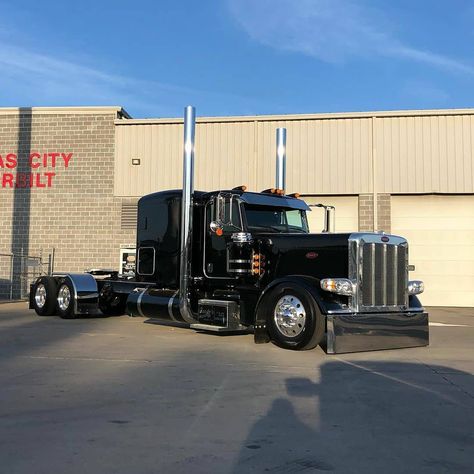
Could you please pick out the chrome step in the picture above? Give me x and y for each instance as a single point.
(219, 329)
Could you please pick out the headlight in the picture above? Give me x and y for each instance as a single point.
(341, 286)
(415, 287)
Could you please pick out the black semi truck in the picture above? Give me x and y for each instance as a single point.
(233, 261)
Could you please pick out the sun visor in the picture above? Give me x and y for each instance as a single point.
(260, 199)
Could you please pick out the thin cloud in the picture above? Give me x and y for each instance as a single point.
(44, 79)
(433, 59)
(334, 31)
(41, 79)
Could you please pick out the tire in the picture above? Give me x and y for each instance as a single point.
(110, 303)
(44, 296)
(65, 298)
(293, 318)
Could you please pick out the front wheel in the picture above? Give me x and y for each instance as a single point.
(65, 300)
(293, 318)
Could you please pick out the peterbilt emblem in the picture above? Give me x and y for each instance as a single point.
(311, 255)
(384, 239)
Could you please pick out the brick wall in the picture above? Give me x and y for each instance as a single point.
(366, 213)
(366, 216)
(384, 213)
(77, 214)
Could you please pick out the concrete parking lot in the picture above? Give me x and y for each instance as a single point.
(117, 395)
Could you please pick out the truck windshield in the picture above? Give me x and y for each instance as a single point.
(276, 219)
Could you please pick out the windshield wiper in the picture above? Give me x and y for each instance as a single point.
(296, 229)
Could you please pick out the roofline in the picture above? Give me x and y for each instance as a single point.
(290, 117)
(78, 110)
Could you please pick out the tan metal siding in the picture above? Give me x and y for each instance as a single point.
(327, 156)
(159, 148)
(224, 155)
(425, 154)
(330, 156)
(414, 153)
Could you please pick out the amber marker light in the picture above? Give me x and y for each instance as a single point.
(256, 264)
(219, 232)
(242, 188)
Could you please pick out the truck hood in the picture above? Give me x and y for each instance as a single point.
(316, 255)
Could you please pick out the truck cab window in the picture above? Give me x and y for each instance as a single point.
(226, 210)
(232, 220)
(146, 261)
(270, 219)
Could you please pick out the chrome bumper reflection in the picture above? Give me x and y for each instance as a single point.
(376, 331)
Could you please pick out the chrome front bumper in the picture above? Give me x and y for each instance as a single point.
(376, 331)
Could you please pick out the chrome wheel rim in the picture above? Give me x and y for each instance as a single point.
(290, 316)
(40, 296)
(64, 297)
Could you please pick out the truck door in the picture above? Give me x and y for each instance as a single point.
(222, 210)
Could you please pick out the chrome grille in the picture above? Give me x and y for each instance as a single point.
(381, 272)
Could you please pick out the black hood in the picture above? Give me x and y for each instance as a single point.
(316, 255)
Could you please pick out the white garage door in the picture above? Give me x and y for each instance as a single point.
(347, 212)
(440, 233)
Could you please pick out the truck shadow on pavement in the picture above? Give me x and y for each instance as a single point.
(366, 417)
(27, 335)
(81, 396)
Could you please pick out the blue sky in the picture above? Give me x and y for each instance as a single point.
(238, 57)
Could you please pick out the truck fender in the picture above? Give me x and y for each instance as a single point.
(310, 284)
(86, 292)
(414, 302)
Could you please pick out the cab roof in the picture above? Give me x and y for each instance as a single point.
(251, 198)
(264, 199)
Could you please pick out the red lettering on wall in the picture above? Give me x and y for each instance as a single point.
(50, 178)
(7, 178)
(34, 156)
(53, 157)
(11, 160)
(21, 181)
(34, 161)
(66, 157)
(39, 184)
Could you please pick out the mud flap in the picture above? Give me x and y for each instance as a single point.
(376, 331)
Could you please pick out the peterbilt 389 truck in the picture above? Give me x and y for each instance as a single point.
(233, 261)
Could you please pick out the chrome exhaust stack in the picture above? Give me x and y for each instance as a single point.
(187, 214)
(281, 158)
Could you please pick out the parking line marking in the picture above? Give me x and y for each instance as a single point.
(405, 382)
(450, 325)
(86, 359)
